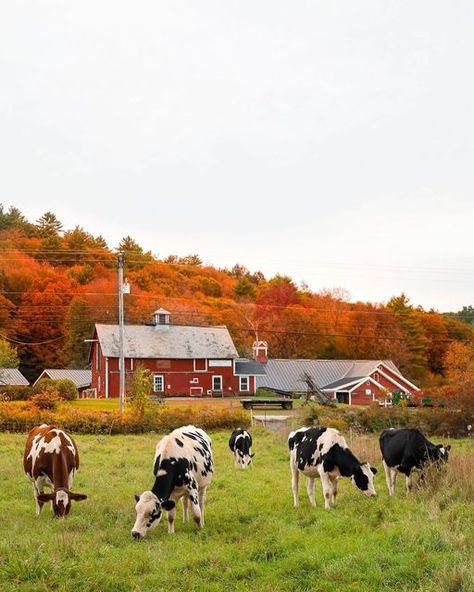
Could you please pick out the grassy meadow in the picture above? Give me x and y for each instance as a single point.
(253, 539)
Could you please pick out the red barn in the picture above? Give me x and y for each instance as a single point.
(355, 382)
(184, 360)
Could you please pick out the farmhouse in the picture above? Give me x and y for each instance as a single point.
(355, 382)
(81, 378)
(184, 360)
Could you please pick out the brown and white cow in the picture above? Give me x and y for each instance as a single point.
(51, 459)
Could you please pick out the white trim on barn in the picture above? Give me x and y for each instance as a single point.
(397, 374)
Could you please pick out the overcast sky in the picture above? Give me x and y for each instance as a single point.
(331, 141)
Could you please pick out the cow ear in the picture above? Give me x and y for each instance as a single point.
(374, 470)
(45, 497)
(167, 505)
(448, 447)
(77, 497)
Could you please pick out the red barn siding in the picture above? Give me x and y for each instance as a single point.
(179, 376)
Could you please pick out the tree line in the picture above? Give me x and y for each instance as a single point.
(56, 283)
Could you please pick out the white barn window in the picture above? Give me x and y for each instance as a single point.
(158, 383)
(244, 385)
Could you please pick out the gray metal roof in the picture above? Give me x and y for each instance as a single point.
(249, 368)
(12, 377)
(81, 378)
(288, 375)
(344, 381)
(167, 342)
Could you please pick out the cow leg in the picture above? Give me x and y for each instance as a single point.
(195, 507)
(38, 486)
(409, 482)
(295, 477)
(334, 491)
(390, 477)
(185, 508)
(171, 519)
(310, 490)
(202, 503)
(327, 488)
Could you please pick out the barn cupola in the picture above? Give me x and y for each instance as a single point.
(161, 317)
(260, 352)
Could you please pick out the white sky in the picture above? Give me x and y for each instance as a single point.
(331, 141)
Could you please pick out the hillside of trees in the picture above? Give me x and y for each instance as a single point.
(55, 283)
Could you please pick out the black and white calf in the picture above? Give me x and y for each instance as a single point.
(183, 468)
(323, 452)
(240, 443)
(406, 450)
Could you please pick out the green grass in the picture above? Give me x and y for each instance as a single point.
(253, 538)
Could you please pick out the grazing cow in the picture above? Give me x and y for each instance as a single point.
(405, 450)
(51, 459)
(240, 443)
(183, 467)
(323, 452)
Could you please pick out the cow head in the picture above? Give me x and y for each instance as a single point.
(61, 499)
(441, 453)
(149, 511)
(363, 478)
(244, 460)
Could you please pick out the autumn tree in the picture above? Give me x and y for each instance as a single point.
(79, 326)
(135, 257)
(459, 364)
(8, 355)
(413, 329)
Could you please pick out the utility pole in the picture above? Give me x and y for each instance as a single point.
(120, 264)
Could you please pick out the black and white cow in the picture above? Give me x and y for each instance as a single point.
(323, 452)
(183, 468)
(240, 443)
(405, 450)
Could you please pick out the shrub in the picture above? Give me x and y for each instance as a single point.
(45, 401)
(45, 385)
(64, 387)
(16, 393)
(23, 417)
(138, 392)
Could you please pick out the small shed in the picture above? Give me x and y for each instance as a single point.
(81, 378)
(12, 377)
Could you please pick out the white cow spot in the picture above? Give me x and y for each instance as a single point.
(161, 472)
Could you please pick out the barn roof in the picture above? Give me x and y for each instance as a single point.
(81, 378)
(12, 377)
(288, 375)
(167, 342)
(244, 367)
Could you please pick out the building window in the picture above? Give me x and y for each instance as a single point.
(200, 365)
(217, 383)
(376, 377)
(158, 383)
(244, 383)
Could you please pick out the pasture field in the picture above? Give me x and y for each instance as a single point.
(253, 539)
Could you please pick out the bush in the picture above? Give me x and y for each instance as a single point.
(437, 421)
(138, 391)
(64, 387)
(45, 401)
(23, 417)
(16, 393)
